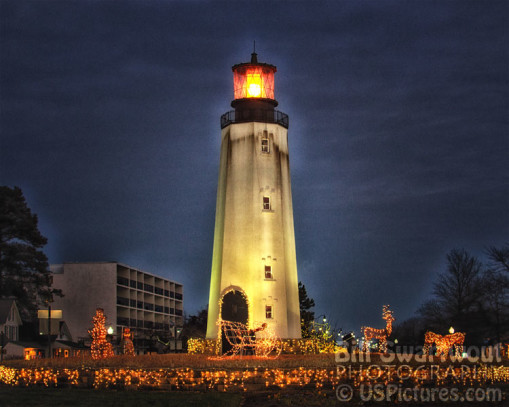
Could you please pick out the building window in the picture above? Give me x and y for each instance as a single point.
(268, 311)
(266, 203)
(268, 272)
(265, 145)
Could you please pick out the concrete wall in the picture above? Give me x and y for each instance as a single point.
(86, 287)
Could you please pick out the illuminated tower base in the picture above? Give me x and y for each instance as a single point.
(254, 268)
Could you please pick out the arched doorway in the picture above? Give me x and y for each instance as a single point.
(233, 308)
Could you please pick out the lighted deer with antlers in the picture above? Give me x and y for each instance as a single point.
(380, 334)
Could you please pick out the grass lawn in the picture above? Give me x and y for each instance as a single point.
(50, 397)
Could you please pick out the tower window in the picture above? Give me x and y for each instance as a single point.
(265, 145)
(268, 272)
(268, 311)
(266, 203)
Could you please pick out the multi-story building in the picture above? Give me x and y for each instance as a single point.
(147, 304)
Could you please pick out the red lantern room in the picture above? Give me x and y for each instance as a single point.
(253, 90)
(253, 80)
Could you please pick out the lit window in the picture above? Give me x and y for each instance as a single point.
(265, 145)
(266, 203)
(268, 271)
(268, 311)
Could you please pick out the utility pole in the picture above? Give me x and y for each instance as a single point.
(49, 329)
(2, 346)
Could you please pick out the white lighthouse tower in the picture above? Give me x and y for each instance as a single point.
(254, 268)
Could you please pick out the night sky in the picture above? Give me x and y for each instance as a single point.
(399, 135)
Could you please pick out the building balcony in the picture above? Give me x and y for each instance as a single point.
(255, 115)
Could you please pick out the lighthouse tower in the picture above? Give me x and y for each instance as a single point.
(254, 268)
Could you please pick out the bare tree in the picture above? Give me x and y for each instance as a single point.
(499, 258)
(496, 283)
(458, 289)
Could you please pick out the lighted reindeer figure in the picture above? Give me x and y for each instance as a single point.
(444, 343)
(380, 334)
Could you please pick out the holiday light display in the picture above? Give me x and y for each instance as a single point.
(257, 378)
(100, 348)
(200, 346)
(444, 343)
(260, 341)
(128, 343)
(324, 336)
(380, 334)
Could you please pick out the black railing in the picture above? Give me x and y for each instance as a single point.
(255, 115)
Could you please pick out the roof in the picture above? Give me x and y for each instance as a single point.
(25, 344)
(5, 308)
(58, 268)
(54, 344)
(72, 344)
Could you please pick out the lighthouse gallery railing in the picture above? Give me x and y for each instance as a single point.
(255, 115)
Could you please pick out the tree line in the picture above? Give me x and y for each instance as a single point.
(470, 296)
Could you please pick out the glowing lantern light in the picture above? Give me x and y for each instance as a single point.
(254, 85)
(253, 80)
(451, 330)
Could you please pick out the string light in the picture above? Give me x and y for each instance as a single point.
(261, 341)
(444, 343)
(307, 346)
(100, 348)
(380, 334)
(244, 379)
(128, 343)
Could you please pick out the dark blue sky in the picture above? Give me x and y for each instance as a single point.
(399, 135)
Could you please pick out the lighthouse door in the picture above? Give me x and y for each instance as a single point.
(234, 309)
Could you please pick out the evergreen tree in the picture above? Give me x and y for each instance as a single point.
(306, 316)
(24, 270)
